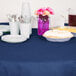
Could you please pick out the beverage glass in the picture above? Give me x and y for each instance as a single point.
(72, 17)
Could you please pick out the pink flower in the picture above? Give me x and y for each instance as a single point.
(42, 11)
(50, 10)
(52, 13)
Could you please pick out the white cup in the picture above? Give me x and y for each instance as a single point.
(25, 29)
(14, 28)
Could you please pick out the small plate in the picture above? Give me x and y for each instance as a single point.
(4, 28)
(13, 38)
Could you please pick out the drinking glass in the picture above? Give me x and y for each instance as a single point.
(72, 17)
(26, 11)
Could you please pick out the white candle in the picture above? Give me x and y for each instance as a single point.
(14, 28)
(25, 29)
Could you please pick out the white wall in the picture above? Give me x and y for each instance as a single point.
(60, 7)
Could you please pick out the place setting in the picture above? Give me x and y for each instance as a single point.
(19, 30)
(20, 27)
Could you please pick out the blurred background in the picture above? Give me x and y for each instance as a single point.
(60, 8)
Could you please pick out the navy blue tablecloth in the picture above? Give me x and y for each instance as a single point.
(38, 57)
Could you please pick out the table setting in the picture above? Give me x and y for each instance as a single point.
(19, 26)
(17, 30)
(42, 51)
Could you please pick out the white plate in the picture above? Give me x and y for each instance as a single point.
(4, 28)
(13, 38)
(58, 40)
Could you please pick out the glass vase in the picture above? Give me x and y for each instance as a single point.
(26, 12)
(43, 24)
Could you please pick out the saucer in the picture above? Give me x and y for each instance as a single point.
(13, 38)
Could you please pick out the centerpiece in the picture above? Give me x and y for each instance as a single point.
(43, 19)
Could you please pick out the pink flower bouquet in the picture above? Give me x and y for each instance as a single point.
(44, 11)
(43, 19)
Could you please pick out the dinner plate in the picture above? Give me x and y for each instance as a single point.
(58, 40)
(4, 28)
(13, 38)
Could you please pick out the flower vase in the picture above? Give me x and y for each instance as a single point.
(43, 24)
